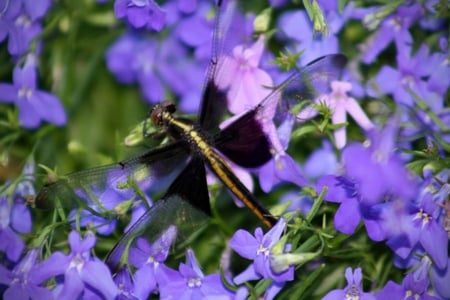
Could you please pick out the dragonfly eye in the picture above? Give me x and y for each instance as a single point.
(169, 106)
(156, 115)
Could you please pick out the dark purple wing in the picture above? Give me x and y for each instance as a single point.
(245, 141)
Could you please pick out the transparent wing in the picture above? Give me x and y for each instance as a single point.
(101, 189)
(180, 212)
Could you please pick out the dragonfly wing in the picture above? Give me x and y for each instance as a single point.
(104, 187)
(245, 141)
(180, 212)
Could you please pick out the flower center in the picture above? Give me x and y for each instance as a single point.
(352, 293)
(263, 250)
(194, 282)
(25, 92)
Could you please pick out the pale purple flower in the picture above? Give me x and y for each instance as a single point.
(19, 21)
(394, 28)
(82, 272)
(353, 290)
(322, 161)
(247, 83)
(258, 247)
(191, 283)
(340, 104)
(140, 13)
(21, 282)
(34, 105)
(15, 218)
(409, 76)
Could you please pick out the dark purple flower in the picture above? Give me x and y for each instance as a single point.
(376, 169)
(140, 13)
(394, 27)
(352, 206)
(353, 290)
(423, 228)
(409, 289)
(259, 249)
(340, 104)
(82, 272)
(130, 287)
(21, 282)
(34, 105)
(191, 283)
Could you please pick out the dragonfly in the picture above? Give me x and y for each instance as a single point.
(194, 147)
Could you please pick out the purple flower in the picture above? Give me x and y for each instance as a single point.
(259, 249)
(14, 218)
(423, 228)
(149, 259)
(34, 105)
(352, 207)
(191, 283)
(353, 290)
(297, 26)
(376, 169)
(21, 282)
(394, 27)
(19, 21)
(321, 162)
(340, 104)
(282, 168)
(154, 64)
(408, 77)
(81, 271)
(140, 13)
(409, 289)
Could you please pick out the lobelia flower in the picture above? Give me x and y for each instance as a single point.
(423, 268)
(191, 283)
(282, 168)
(140, 13)
(322, 161)
(154, 64)
(19, 21)
(406, 78)
(352, 207)
(340, 104)
(353, 290)
(15, 218)
(259, 249)
(149, 261)
(376, 169)
(409, 289)
(83, 274)
(298, 27)
(425, 229)
(34, 105)
(21, 281)
(393, 28)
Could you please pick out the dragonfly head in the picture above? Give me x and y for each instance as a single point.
(159, 112)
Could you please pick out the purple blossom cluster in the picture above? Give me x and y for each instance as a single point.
(374, 174)
(20, 25)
